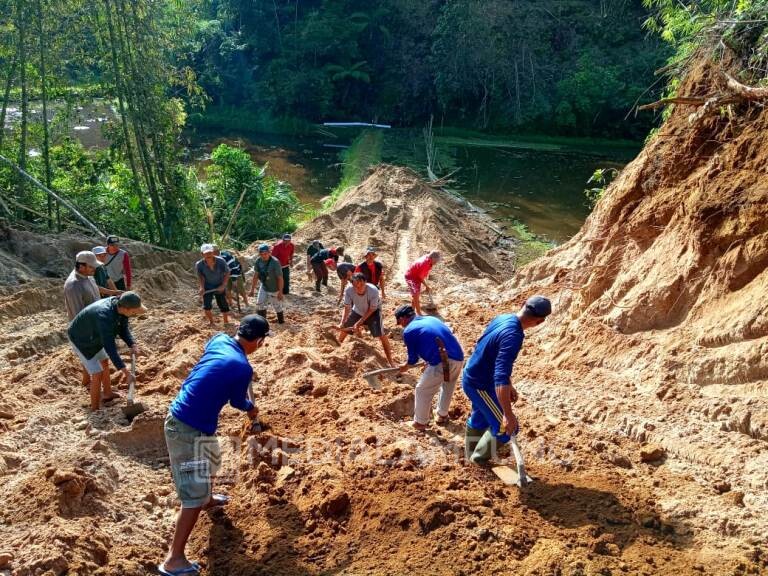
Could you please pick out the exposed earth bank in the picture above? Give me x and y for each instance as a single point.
(642, 411)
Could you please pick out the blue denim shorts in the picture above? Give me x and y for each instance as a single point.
(195, 459)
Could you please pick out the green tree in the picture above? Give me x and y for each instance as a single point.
(240, 192)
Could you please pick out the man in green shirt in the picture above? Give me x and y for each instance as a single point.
(269, 273)
(103, 281)
(92, 334)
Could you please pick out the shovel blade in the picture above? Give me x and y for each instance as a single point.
(512, 477)
(133, 409)
(373, 381)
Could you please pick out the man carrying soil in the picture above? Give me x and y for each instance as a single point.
(361, 308)
(416, 275)
(268, 272)
(118, 264)
(80, 290)
(428, 338)
(320, 268)
(344, 271)
(101, 276)
(487, 380)
(373, 270)
(223, 375)
(314, 247)
(213, 275)
(92, 334)
(283, 250)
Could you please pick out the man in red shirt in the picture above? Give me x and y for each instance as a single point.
(373, 270)
(416, 275)
(283, 251)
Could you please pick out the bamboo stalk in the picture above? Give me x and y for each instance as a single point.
(25, 175)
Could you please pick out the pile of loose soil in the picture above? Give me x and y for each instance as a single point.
(661, 325)
(403, 217)
(337, 481)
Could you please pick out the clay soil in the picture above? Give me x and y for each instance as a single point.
(637, 470)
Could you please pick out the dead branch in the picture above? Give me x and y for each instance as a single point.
(737, 92)
(684, 100)
(743, 91)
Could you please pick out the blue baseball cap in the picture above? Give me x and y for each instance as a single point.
(263, 248)
(538, 306)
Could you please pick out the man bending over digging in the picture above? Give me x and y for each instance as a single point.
(361, 308)
(223, 375)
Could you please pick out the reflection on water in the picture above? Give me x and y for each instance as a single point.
(542, 189)
(310, 167)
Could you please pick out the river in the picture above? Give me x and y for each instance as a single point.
(538, 184)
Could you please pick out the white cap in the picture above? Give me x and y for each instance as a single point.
(206, 248)
(87, 257)
(99, 250)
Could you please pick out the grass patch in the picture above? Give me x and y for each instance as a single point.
(530, 247)
(237, 119)
(364, 152)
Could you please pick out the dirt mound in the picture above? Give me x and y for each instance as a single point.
(661, 324)
(404, 218)
(26, 256)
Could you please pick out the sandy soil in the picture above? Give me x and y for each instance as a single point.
(630, 477)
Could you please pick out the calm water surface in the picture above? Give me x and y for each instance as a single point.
(541, 187)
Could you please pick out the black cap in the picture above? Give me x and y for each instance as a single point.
(538, 306)
(253, 327)
(113, 240)
(404, 311)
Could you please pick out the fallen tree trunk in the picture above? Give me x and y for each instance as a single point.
(743, 91)
(735, 92)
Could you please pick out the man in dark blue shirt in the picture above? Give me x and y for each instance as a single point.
(92, 334)
(223, 375)
(486, 379)
(428, 338)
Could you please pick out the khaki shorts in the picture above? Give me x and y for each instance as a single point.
(92, 365)
(195, 459)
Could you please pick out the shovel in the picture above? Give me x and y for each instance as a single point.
(514, 477)
(430, 303)
(131, 408)
(373, 377)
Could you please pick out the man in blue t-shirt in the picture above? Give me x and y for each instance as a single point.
(223, 375)
(428, 338)
(486, 379)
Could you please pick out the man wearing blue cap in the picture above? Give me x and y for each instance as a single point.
(269, 273)
(223, 375)
(486, 380)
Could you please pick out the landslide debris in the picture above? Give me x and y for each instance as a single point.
(661, 325)
(337, 481)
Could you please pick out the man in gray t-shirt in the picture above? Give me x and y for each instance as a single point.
(213, 275)
(361, 308)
